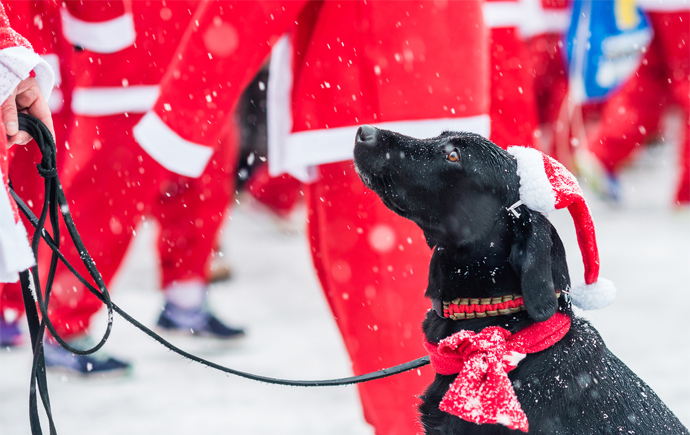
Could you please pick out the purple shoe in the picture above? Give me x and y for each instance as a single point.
(99, 363)
(10, 334)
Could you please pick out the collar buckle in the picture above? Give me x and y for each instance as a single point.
(513, 207)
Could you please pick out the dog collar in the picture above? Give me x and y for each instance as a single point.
(469, 308)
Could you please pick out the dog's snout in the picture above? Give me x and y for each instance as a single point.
(367, 135)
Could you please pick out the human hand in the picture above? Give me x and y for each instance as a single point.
(27, 98)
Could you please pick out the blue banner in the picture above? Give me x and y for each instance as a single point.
(605, 44)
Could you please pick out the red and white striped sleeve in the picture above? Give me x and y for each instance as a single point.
(220, 53)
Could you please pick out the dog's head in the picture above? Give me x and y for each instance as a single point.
(452, 185)
(458, 187)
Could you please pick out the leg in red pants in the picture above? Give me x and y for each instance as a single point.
(373, 267)
(672, 32)
(634, 113)
(113, 188)
(190, 212)
(30, 187)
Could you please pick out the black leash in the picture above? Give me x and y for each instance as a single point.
(55, 204)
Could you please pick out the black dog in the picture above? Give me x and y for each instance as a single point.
(457, 187)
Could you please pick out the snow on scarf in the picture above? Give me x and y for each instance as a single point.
(482, 392)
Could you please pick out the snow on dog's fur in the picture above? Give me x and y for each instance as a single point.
(457, 187)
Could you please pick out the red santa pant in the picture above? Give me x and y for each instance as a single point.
(634, 113)
(29, 186)
(373, 266)
(113, 185)
(190, 212)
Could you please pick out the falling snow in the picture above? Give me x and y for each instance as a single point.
(645, 250)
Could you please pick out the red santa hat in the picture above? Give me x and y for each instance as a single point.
(545, 186)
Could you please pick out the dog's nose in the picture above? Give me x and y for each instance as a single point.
(367, 135)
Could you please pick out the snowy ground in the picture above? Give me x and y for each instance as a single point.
(645, 250)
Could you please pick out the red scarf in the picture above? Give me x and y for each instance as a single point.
(482, 392)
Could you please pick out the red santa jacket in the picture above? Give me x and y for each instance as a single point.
(17, 61)
(122, 49)
(39, 22)
(417, 67)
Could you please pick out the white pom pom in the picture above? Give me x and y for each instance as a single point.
(594, 296)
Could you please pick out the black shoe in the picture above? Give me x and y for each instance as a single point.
(195, 321)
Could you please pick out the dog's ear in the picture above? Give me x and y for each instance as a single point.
(429, 240)
(530, 257)
(559, 265)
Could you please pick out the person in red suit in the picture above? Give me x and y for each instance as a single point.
(26, 82)
(633, 115)
(120, 50)
(415, 67)
(43, 30)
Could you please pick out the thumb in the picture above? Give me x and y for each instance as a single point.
(9, 115)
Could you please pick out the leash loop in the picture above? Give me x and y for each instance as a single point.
(54, 205)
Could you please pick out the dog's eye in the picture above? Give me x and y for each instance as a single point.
(453, 156)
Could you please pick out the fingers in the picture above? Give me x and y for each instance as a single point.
(21, 138)
(9, 115)
(29, 100)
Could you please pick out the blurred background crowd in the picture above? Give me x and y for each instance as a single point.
(176, 111)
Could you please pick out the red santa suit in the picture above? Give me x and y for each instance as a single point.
(122, 51)
(39, 22)
(634, 114)
(545, 22)
(415, 67)
(17, 62)
(513, 106)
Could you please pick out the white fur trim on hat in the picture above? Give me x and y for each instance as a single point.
(593, 296)
(536, 192)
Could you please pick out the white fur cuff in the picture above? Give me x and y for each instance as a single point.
(16, 63)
